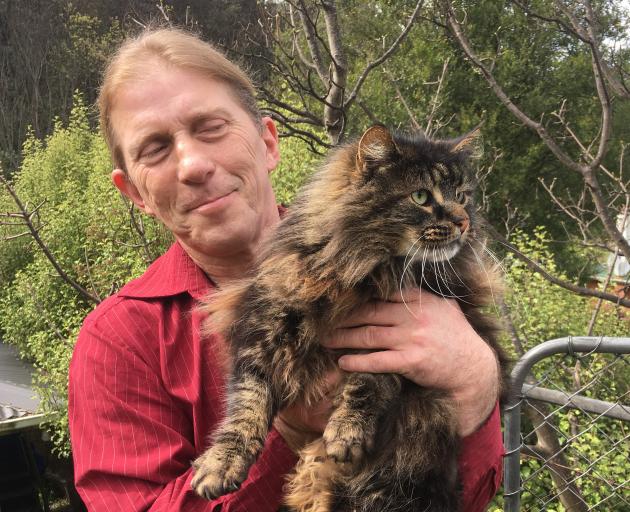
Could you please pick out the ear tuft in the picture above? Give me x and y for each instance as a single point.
(375, 144)
(470, 143)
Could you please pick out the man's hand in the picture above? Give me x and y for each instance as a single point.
(428, 340)
(299, 424)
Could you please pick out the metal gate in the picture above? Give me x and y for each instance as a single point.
(569, 423)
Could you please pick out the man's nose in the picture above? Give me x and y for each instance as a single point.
(194, 161)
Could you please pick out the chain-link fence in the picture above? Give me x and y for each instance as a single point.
(567, 428)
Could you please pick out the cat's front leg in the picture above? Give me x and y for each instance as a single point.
(350, 431)
(238, 441)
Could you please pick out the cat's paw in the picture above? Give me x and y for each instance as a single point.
(218, 472)
(347, 441)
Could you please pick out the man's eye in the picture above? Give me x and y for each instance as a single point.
(153, 150)
(214, 127)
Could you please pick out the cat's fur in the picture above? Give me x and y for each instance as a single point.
(354, 234)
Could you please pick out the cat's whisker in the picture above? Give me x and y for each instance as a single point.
(437, 272)
(408, 261)
(422, 278)
(444, 275)
(444, 278)
(402, 277)
(409, 252)
(500, 265)
(457, 275)
(494, 300)
(460, 296)
(437, 282)
(494, 258)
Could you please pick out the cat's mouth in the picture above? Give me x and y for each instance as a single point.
(423, 251)
(442, 252)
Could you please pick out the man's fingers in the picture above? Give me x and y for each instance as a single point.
(368, 337)
(373, 313)
(393, 310)
(415, 295)
(389, 361)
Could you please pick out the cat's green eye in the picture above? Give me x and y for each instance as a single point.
(461, 197)
(420, 197)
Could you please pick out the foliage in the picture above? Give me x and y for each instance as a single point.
(296, 165)
(86, 226)
(542, 312)
(50, 48)
(540, 67)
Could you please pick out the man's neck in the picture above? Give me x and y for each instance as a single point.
(222, 270)
(226, 264)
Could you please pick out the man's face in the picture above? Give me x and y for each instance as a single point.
(196, 160)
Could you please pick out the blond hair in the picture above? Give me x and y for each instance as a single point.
(174, 47)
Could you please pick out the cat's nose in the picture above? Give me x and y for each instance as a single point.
(462, 223)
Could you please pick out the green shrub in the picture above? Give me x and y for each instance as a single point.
(297, 163)
(86, 225)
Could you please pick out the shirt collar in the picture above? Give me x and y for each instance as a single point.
(171, 274)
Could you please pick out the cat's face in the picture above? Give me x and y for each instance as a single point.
(421, 192)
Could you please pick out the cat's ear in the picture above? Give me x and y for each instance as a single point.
(375, 144)
(469, 143)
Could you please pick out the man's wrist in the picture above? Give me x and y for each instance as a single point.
(472, 415)
(296, 439)
(477, 400)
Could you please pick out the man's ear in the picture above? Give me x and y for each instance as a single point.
(270, 137)
(121, 181)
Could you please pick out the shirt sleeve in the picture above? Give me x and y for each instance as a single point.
(131, 441)
(480, 464)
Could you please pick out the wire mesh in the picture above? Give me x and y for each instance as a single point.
(573, 437)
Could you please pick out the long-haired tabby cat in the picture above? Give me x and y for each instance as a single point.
(386, 212)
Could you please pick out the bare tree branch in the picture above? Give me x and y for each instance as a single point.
(590, 37)
(368, 69)
(403, 101)
(368, 112)
(435, 102)
(535, 267)
(310, 32)
(586, 170)
(27, 218)
(334, 113)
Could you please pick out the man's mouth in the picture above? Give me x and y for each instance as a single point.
(212, 203)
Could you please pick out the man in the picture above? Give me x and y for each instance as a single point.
(190, 148)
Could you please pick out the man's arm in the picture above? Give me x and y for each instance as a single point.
(132, 443)
(480, 464)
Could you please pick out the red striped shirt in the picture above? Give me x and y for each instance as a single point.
(145, 391)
